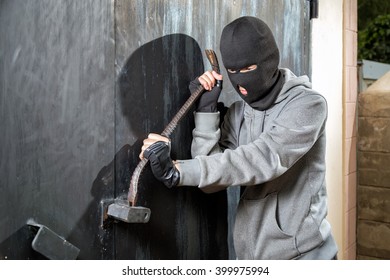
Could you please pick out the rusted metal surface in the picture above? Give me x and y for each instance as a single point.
(72, 129)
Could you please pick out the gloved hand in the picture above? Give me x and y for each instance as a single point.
(161, 163)
(212, 82)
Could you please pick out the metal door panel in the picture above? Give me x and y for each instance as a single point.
(57, 88)
(158, 45)
(81, 85)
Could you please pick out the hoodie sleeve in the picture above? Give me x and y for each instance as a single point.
(208, 140)
(206, 134)
(292, 134)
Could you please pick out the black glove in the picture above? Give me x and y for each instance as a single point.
(208, 100)
(161, 163)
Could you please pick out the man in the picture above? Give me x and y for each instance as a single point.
(272, 144)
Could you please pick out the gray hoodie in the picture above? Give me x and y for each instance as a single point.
(278, 157)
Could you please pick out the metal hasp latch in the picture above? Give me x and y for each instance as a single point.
(126, 209)
(121, 210)
(314, 6)
(52, 245)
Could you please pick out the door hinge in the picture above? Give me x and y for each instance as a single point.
(314, 6)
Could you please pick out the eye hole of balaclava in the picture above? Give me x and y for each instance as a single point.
(243, 70)
(245, 42)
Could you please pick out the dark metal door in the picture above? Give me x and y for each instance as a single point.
(81, 85)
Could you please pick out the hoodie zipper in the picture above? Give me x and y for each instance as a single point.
(253, 124)
(263, 121)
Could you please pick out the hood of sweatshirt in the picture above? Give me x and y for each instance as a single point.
(291, 81)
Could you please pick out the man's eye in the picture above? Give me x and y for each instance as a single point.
(243, 70)
(249, 68)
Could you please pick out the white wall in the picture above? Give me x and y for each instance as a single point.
(327, 78)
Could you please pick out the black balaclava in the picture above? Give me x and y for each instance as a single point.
(247, 41)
